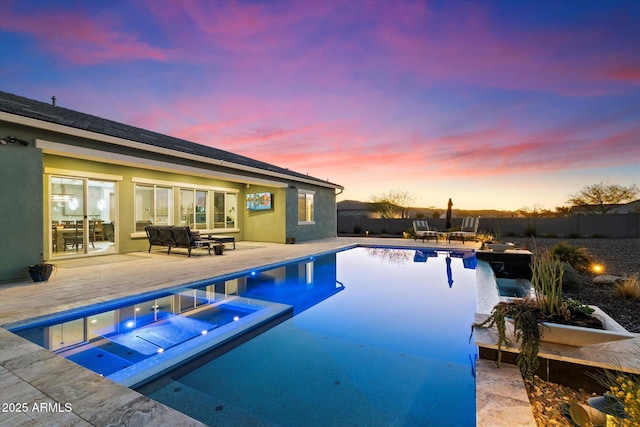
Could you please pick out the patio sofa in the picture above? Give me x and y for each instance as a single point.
(180, 237)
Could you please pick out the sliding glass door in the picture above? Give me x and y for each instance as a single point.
(83, 216)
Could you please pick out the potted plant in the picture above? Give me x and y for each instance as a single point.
(548, 317)
(42, 271)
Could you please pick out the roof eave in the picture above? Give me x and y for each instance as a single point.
(81, 133)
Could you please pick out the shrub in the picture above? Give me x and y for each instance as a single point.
(625, 389)
(485, 236)
(629, 288)
(530, 232)
(577, 257)
(571, 277)
(411, 233)
(546, 278)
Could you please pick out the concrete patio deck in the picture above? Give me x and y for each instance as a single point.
(69, 394)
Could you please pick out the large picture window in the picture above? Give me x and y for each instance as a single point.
(305, 207)
(201, 208)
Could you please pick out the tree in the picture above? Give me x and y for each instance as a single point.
(602, 198)
(537, 211)
(563, 211)
(392, 204)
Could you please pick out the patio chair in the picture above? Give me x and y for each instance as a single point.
(422, 230)
(72, 235)
(468, 230)
(109, 231)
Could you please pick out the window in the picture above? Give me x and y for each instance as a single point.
(305, 207)
(154, 205)
(193, 209)
(224, 210)
(199, 207)
(230, 208)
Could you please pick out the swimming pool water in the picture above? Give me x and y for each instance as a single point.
(380, 337)
(137, 339)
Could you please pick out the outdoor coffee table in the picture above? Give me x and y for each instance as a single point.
(223, 239)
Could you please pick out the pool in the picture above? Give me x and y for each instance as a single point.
(367, 336)
(390, 348)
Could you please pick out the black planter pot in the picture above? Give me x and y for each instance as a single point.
(218, 249)
(40, 272)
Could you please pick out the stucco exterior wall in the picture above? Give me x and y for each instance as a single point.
(268, 225)
(325, 222)
(20, 207)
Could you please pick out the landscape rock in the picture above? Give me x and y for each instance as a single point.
(607, 279)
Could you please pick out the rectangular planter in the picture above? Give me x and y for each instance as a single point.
(578, 336)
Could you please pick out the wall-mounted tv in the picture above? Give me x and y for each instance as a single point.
(259, 201)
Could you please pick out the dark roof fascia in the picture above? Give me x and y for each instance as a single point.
(145, 139)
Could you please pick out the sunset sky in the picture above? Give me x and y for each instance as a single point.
(496, 104)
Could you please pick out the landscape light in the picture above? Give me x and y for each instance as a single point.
(597, 268)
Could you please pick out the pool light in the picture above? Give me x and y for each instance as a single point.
(204, 332)
(236, 318)
(130, 324)
(160, 350)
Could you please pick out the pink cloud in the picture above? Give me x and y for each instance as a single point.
(464, 45)
(625, 73)
(81, 38)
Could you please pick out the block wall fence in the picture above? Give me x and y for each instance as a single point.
(613, 226)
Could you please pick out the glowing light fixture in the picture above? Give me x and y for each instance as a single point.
(597, 268)
(73, 204)
(236, 318)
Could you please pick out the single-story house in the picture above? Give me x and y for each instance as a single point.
(355, 208)
(76, 185)
(617, 208)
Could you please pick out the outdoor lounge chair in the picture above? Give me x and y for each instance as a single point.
(468, 230)
(422, 230)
